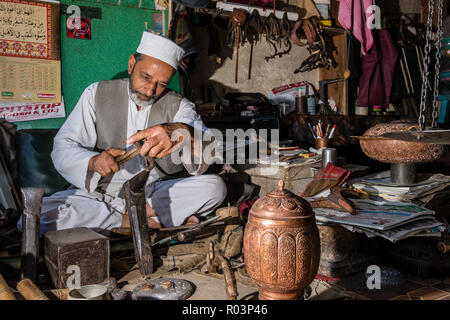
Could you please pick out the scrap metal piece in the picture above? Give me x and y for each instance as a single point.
(157, 289)
(32, 200)
(119, 294)
(338, 200)
(110, 284)
(136, 207)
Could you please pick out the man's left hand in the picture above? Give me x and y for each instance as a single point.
(159, 140)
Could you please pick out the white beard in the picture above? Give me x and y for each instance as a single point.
(140, 102)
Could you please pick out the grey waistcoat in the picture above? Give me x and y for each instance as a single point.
(111, 108)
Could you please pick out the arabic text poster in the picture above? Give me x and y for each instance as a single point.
(25, 29)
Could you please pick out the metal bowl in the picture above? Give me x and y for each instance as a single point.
(396, 151)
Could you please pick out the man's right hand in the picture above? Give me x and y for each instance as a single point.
(104, 163)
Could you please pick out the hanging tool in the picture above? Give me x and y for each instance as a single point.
(252, 33)
(235, 33)
(285, 26)
(319, 57)
(273, 34)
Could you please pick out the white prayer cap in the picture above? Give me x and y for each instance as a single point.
(161, 48)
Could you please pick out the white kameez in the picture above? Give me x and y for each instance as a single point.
(173, 200)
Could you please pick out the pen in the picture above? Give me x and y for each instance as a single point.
(312, 131)
(332, 132)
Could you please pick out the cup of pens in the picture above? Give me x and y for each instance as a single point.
(322, 143)
(322, 136)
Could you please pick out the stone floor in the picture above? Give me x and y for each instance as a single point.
(212, 287)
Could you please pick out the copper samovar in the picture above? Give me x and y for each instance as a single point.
(281, 245)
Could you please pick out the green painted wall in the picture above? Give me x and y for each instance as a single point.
(114, 37)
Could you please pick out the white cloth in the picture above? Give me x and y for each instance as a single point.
(72, 149)
(161, 48)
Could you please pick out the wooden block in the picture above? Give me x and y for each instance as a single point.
(427, 293)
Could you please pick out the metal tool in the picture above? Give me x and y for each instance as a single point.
(186, 235)
(236, 24)
(324, 107)
(130, 154)
(230, 280)
(32, 200)
(338, 200)
(136, 207)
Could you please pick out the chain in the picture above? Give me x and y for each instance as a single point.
(427, 61)
(439, 37)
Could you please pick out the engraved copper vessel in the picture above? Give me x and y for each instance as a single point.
(397, 151)
(281, 245)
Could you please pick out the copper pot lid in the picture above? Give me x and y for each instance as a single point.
(281, 204)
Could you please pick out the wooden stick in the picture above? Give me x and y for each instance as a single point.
(237, 55)
(5, 291)
(30, 291)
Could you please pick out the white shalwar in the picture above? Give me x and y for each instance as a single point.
(81, 206)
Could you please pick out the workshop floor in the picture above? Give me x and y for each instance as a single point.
(352, 287)
(209, 287)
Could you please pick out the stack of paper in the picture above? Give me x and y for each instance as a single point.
(380, 185)
(391, 220)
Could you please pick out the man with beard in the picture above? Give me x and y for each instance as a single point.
(109, 117)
